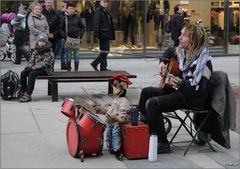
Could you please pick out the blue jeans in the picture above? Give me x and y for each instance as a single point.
(62, 51)
(73, 54)
(113, 135)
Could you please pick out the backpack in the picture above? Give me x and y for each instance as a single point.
(10, 85)
(167, 27)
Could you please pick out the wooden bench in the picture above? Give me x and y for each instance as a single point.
(80, 76)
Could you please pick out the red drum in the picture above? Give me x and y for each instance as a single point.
(68, 108)
(85, 135)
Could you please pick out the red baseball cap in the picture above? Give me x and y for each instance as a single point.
(120, 77)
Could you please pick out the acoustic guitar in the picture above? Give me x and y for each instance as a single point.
(172, 68)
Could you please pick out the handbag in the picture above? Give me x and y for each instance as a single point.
(71, 43)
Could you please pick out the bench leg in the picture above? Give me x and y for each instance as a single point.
(110, 89)
(49, 88)
(54, 91)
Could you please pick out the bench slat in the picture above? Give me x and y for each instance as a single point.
(85, 75)
(81, 76)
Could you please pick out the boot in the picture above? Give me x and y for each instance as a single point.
(68, 66)
(76, 64)
(63, 66)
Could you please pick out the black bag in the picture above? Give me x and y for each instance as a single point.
(167, 27)
(10, 85)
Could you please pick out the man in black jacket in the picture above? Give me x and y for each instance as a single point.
(104, 31)
(53, 20)
(177, 21)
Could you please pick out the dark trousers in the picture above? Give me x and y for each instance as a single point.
(102, 57)
(153, 102)
(32, 75)
(55, 47)
(132, 21)
(21, 51)
(19, 43)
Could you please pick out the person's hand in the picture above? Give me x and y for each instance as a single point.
(50, 35)
(162, 68)
(173, 81)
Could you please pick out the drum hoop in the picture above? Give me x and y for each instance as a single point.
(94, 117)
(79, 138)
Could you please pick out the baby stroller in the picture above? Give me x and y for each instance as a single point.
(7, 47)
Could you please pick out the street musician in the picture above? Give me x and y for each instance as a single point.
(187, 87)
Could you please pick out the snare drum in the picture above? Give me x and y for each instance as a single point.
(68, 108)
(85, 134)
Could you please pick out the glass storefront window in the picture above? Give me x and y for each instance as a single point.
(139, 24)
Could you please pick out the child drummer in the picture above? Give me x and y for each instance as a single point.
(116, 114)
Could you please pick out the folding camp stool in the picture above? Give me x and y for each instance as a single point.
(190, 128)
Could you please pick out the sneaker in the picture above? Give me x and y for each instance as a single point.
(163, 147)
(25, 98)
(119, 155)
(94, 67)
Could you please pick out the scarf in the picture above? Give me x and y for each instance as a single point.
(46, 48)
(199, 60)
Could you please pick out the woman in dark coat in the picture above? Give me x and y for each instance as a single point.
(75, 29)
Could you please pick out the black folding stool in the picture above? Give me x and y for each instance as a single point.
(190, 128)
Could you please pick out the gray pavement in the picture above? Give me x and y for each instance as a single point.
(33, 135)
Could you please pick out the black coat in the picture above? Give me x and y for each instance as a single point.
(103, 24)
(177, 22)
(75, 27)
(53, 19)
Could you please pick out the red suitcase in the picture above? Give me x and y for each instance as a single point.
(135, 140)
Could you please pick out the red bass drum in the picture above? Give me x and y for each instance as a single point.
(85, 135)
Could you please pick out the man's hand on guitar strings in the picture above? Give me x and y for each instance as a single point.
(174, 81)
(162, 68)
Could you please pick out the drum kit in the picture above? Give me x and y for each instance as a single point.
(84, 130)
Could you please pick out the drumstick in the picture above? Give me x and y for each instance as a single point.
(92, 99)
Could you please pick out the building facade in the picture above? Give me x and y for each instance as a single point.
(140, 24)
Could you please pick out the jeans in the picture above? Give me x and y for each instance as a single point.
(61, 51)
(113, 135)
(102, 57)
(72, 54)
(32, 75)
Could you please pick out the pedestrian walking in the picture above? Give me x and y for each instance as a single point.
(104, 31)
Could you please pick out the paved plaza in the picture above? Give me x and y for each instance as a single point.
(33, 134)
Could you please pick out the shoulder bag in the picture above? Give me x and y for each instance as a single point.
(71, 43)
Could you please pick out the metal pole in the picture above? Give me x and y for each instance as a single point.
(145, 28)
(226, 25)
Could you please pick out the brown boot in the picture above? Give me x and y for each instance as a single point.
(25, 98)
(76, 64)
